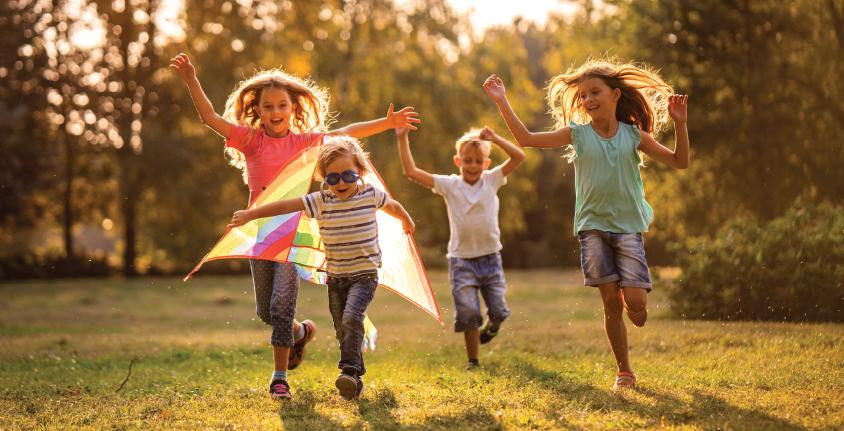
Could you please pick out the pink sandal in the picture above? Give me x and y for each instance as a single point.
(624, 380)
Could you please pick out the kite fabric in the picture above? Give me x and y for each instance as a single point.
(295, 238)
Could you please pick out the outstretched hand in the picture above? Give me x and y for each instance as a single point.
(405, 118)
(678, 107)
(183, 67)
(402, 132)
(494, 88)
(239, 218)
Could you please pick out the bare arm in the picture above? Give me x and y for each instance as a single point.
(516, 154)
(286, 206)
(408, 166)
(494, 88)
(183, 67)
(679, 158)
(405, 117)
(394, 208)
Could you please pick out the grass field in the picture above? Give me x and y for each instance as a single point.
(201, 361)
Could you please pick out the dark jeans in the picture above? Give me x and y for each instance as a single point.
(348, 298)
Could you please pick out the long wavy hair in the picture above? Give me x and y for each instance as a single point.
(310, 111)
(644, 95)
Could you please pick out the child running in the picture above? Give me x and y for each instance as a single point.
(474, 261)
(346, 217)
(606, 112)
(268, 119)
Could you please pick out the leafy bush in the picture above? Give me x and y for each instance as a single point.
(791, 268)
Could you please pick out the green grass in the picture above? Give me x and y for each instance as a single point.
(201, 360)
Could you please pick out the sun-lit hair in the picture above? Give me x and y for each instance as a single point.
(473, 137)
(644, 95)
(334, 147)
(310, 110)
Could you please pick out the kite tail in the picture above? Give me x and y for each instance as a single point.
(369, 335)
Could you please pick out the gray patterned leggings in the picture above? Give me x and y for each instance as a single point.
(276, 288)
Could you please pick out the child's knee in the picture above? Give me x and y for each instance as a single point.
(636, 303)
(352, 321)
(467, 318)
(635, 299)
(263, 313)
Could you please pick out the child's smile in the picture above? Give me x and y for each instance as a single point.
(275, 110)
(597, 98)
(472, 161)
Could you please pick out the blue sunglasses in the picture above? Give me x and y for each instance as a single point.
(348, 177)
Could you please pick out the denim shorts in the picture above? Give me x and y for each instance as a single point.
(607, 257)
(468, 276)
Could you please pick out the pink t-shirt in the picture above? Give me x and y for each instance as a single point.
(266, 155)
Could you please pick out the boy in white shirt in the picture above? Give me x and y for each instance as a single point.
(473, 249)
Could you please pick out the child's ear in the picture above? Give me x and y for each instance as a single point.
(616, 93)
(487, 162)
(457, 161)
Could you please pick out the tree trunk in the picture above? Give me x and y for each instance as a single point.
(68, 195)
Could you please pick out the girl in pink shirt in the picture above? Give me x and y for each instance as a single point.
(269, 118)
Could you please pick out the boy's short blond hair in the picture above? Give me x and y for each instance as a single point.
(473, 137)
(334, 147)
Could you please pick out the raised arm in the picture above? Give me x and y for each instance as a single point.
(515, 154)
(287, 206)
(405, 117)
(408, 166)
(183, 67)
(394, 208)
(679, 158)
(494, 88)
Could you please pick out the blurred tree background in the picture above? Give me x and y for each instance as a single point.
(107, 167)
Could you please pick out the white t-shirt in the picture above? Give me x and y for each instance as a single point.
(472, 213)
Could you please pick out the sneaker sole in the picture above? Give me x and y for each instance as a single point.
(347, 386)
(281, 397)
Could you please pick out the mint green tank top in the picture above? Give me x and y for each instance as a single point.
(609, 193)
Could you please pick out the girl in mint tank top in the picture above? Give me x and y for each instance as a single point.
(607, 113)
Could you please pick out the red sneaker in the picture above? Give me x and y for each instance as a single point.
(280, 390)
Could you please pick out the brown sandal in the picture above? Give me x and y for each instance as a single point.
(297, 352)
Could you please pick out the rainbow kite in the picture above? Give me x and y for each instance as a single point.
(295, 238)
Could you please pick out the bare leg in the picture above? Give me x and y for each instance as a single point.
(280, 356)
(473, 342)
(636, 304)
(614, 323)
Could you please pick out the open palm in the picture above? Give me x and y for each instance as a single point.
(677, 107)
(405, 117)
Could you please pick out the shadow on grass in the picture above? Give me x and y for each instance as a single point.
(704, 410)
(377, 411)
(300, 414)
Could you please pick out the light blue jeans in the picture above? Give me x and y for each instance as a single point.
(468, 276)
(607, 257)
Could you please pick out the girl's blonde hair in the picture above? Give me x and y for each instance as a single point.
(310, 110)
(473, 137)
(334, 147)
(644, 95)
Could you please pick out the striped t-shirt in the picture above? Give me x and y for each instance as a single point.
(348, 229)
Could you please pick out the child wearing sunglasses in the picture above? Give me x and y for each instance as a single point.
(473, 249)
(345, 213)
